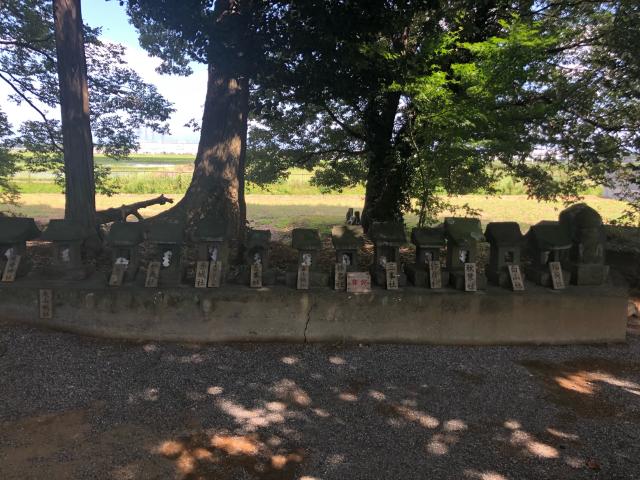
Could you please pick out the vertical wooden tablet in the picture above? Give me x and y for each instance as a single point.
(516, 278)
(46, 303)
(435, 274)
(340, 276)
(202, 273)
(470, 277)
(215, 274)
(557, 280)
(153, 274)
(391, 271)
(255, 279)
(11, 268)
(303, 277)
(117, 274)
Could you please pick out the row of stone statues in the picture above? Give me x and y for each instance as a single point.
(568, 250)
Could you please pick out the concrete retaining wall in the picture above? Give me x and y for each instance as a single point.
(410, 315)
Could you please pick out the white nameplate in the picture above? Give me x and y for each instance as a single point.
(11, 268)
(255, 279)
(516, 278)
(117, 274)
(340, 277)
(557, 280)
(303, 277)
(202, 273)
(153, 274)
(358, 282)
(470, 277)
(46, 303)
(391, 272)
(215, 274)
(435, 274)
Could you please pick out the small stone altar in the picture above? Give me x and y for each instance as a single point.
(347, 241)
(387, 239)
(307, 242)
(165, 240)
(586, 259)
(463, 236)
(14, 235)
(212, 252)
(429, 242)
(505, 239)
(548, 242)
(125, 239)
(256, 271)
(67, 239)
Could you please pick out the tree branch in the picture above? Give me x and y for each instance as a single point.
(40, 112)
(342, 124)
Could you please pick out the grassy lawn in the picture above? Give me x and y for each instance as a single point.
(322, 211)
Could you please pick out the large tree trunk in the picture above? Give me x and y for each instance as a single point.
(384, 194)
(217, 185)
(80, 204)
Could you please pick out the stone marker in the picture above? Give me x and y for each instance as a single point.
(307, 242)
(212, 249)
(547, 242)
(15, 232)
(347, 240)
(256, 271)
(587, 254)
(506, 242)
(166, 240)
(387, 239)
(463, 236)
(429, 242)
(67, 239)
(46, 303)
(202, 273)
(515, 275)
(358, 282)
(470, 277)
(125, 239)
(391, 270)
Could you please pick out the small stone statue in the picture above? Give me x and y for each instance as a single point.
(257, 259)
(213, 254)
(9, 253)
(65, 255)
(464, 256)
(166, 258)
(122, 261)
(346, 259)
(382, 261)
(306, 259)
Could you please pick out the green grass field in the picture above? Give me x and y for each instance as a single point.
(282, 212)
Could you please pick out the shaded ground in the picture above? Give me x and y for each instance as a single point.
(73, 407)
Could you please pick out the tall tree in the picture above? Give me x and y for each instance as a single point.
(220, 36)
(80, 205)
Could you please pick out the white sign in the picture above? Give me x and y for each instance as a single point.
(358, 282)
(557, 280)
(470, 277)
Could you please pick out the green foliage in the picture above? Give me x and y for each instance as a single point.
(120, 101)
(8, 189)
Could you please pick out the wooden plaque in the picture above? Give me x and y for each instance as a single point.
(391, 272)
(153, 275)
(303, 277)
(215, 274)
(46, 303)
(340, 277)
(516, 278)
(117, 274)
(470, 277)
(358, 282)
(255, 280)
(435, 274)
(11, 268)
(202, 274)
(557, 280)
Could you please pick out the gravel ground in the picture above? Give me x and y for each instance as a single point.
(75, 408)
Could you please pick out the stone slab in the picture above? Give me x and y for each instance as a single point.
(280, 314)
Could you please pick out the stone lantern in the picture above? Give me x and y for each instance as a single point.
(14, 234)
(429, 242)
(387, 239)
(256, 254)
(125, 239)
(547, 241)
(463, 236)
(67, 239)
(166, 240)
(586, 258)
(307, 242)
(505, 239)
(211, 246)
(347, 240)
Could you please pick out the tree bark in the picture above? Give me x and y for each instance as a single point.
(384, 193)
(217, 184)
(80, 204)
